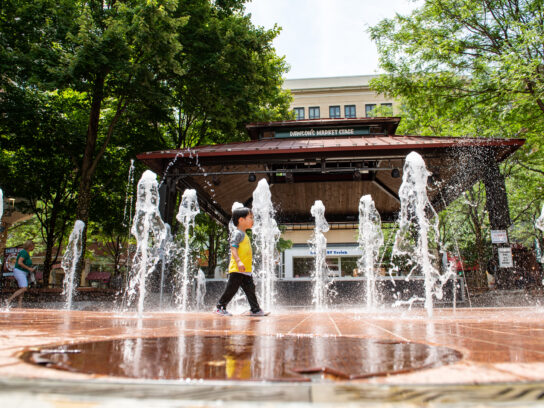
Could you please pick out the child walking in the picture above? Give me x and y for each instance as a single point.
(241, 259)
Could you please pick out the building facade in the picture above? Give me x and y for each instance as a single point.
(338, 97)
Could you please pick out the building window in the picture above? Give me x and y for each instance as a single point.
(349, 267)
(349, 111)
(302, 267)
(333, 265)
(299, 113)
(334, 112)
(369, 107)
(345, 266)
(313, 112)
(387, 109)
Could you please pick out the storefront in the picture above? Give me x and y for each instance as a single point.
(298, 261)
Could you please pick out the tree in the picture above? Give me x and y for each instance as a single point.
(114, 188)
(115, 53)
(141, 77)
(468, 67)
(482, 50)
(472, 68)
(37, 142)
(231, 76)
(465, 232)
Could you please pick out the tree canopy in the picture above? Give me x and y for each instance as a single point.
(111, 79)
(473, 68)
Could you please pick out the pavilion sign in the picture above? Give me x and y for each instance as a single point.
(320, 132)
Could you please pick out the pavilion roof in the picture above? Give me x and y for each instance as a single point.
(337, 169)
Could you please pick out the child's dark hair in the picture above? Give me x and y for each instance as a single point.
(241, 212)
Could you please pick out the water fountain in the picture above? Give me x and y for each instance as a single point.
(70, 261)
(418, 225)
(265, 238)
(370, 241)
(188, 210)
(151, 235)
(165, 253)
(318, 245)
(318, 353)
(200, 290)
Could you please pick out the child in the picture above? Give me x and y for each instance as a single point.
(241, 258)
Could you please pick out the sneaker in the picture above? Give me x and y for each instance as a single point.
(259, 313)
(222, 312)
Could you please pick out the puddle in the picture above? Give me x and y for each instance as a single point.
(243, 357)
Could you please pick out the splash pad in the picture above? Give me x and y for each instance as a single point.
(469, 356)
(332, 356)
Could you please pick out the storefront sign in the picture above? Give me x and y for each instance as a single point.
(499, 237)
(505, 257)
(332, 252)
(318, 132)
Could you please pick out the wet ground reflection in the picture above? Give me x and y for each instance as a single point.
(244, 357)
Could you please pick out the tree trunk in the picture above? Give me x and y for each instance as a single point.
(480, 277)
(3, 236)
(50, 239)
(47, 262)
(87, 168)
(497, 208)
(496, 200)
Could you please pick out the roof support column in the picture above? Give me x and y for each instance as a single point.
(497, 209)
(495, 188)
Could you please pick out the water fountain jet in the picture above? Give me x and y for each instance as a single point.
(370, 241)
(188, 210)
(318, 245)
(265, 237)
(418, 225)
(150, 233)
(200, 289)
(70, 260)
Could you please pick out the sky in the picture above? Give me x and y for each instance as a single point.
(325, 38)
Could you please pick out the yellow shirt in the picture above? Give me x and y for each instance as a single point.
(237, 369)
(244, 252)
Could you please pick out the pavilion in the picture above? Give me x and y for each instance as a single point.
(332, 160)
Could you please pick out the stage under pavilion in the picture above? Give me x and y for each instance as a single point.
(333, 160)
